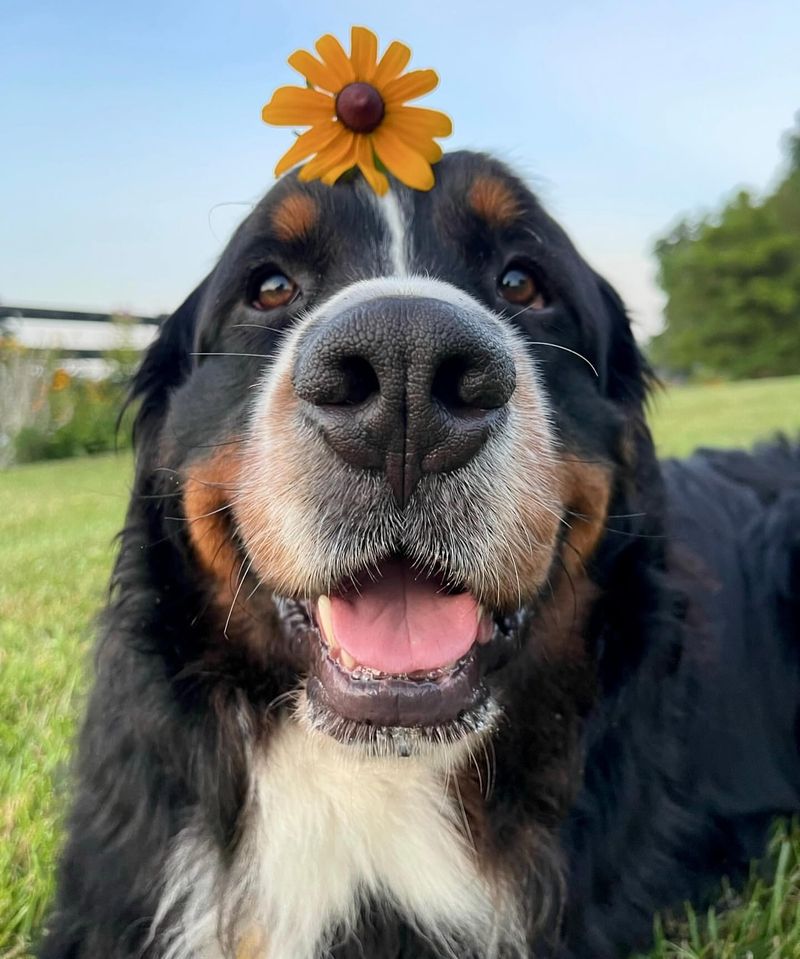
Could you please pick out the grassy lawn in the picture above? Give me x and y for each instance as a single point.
(724, 414)
(57, 522)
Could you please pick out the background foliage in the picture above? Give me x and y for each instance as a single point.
(733, 284)
(47, 413)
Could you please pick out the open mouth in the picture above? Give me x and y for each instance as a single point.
(399, 648)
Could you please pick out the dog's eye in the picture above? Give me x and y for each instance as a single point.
(519, 287)
(274, 290)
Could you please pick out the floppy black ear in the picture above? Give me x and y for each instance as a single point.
(628, 374)
(628, 381)
(165, 365)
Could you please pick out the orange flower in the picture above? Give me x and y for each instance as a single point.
(61, 380)
(356, 109)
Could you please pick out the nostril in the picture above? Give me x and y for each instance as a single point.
(463, 386)
(446, 385)
(359, 381)
(487, 387)
(323, 378)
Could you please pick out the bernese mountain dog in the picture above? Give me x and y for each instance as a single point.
(413, 648)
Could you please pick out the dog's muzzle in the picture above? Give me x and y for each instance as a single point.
(398, 500)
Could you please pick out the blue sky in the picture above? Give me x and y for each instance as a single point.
(131, 133)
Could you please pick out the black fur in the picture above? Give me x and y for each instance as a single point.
(654, 765)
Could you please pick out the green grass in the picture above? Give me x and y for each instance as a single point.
(724, 414)
(57, 523)
(761, 921)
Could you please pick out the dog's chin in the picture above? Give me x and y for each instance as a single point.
(398, 662)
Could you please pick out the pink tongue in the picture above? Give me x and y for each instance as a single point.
(400, 624)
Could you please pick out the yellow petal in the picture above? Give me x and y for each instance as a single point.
(405, 162)
(417, 120)
(366, 163)
(296, 105)
(363, 53)
(312, 141)
(410, 86)
(333, 175)
(427, 148)
(315, 72)
(414, 136)
(336, 59)
(392, 64)
(341, 150)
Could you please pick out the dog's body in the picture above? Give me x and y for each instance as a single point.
(414, 649)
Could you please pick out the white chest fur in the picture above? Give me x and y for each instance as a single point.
(334, 826)
(328, 828)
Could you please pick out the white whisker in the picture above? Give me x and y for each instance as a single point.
(558, 346)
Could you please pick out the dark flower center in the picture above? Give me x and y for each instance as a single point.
(360, 107)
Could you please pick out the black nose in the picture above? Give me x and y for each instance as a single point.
(405, 385)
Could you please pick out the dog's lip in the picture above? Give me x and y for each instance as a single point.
(360, 697)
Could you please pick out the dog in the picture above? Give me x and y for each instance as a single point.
(413, 647)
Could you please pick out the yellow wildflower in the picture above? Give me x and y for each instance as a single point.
(356, 109)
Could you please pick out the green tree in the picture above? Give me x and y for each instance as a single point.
(733, 285)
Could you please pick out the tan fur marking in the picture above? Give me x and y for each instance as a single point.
(494, 201)
(253, 944)
(294, 217)
(559, 632)
(586, 492)
(208, 489)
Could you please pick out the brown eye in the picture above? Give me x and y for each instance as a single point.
(276, 289)
(518, 287)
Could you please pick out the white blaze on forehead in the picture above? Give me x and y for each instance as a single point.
(399, 238)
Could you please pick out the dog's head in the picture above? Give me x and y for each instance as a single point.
(393, 430)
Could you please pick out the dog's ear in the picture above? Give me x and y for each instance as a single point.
(628, 381)
(166, 364)
(628, 376)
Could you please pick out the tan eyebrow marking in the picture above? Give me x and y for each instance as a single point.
(494, 201)
(294, 217)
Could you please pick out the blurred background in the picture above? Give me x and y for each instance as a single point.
(664, 136)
